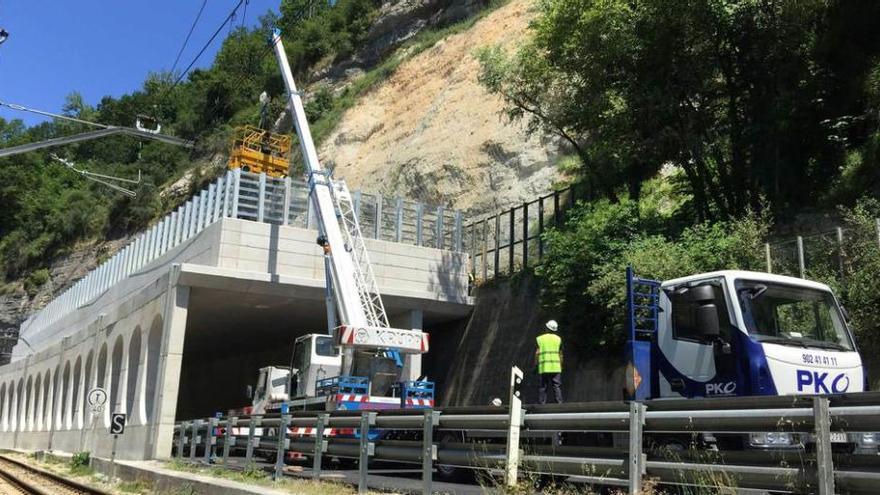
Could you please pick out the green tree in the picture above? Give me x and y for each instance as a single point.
(742, 95)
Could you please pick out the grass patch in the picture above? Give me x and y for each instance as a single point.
(254, 475)
(139, 486)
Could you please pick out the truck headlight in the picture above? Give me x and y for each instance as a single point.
(770, 439)
(869, 438)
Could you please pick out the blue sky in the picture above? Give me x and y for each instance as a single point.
(101, 47)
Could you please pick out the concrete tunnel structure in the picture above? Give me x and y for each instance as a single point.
(179, 325)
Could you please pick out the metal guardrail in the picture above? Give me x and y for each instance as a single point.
(805, 471)
(259, 198)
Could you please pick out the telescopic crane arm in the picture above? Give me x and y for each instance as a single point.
(358, 303)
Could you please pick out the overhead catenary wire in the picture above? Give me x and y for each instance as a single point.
(228, 19)
(189, 35)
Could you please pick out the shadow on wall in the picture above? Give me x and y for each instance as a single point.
(450, 281)
(471, 360)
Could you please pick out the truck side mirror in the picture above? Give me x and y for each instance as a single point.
(707, 321)
(249, 392)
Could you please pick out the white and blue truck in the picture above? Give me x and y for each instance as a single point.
(740, 333)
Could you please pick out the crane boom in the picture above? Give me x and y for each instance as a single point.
(358, 303)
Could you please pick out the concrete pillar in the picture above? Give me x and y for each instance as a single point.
(412, 366)
(170, 361)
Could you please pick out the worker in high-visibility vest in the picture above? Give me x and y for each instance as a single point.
(548, 357)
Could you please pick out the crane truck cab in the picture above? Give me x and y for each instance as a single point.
(738, 333)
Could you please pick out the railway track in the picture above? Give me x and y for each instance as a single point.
(17, 477)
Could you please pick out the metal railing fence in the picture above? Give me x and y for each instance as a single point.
(259, 198)
(509, 241)
(316, 434)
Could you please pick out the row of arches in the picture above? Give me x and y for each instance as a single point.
(47, 398)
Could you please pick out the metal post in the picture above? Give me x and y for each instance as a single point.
(515, 420)
(210, 440)
(377, 229)
(228, 438)
(249, 451)
(218, 199)
(261, 198)
(429, 452)
(438, 242)
(511, 237)
(357, 205)
(418, 224)
(457, 234)
(768, 258)
(281, 446)
(285, 214)
(637, 459)
(824, 463)
(209, 205)
(483, 259)
(525, 240)
(228, 184)
(398, 228)
(497, 244)
(181, 440)
(473, 250)
(556, 216)
(366, 449)
(802, 267)
(540, 228)
(236, 186)
(194, 439)
(320, 445)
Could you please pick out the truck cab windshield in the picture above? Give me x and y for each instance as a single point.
(786, 314)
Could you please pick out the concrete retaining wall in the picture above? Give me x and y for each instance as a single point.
(471, 360)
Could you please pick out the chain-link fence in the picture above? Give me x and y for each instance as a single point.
(822, 256)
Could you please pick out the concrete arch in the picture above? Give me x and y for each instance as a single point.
(64, 416)
(29, 404)
(133, 400)
(102, 374)
(151, 368)
(17, 417)
(117, 382)
(88, 384)
(38, 402)
(55, 413)
(76, 398)
(3, 404)
(47, 400)
(10, 407)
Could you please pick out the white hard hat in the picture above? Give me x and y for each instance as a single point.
(552, 325)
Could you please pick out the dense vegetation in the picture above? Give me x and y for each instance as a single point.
(47, 208)
(759, 102)
(694, 127)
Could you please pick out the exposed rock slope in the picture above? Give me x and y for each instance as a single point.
(431, 132)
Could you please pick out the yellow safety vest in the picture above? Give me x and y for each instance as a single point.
(549, 359)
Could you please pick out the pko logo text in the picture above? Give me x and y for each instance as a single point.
(818, 382)
(720, 388)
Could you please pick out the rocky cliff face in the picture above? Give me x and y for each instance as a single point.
(431, 132)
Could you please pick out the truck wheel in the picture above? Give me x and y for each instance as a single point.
(444, 471)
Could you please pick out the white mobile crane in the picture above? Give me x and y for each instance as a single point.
(357, 364)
